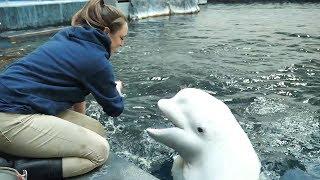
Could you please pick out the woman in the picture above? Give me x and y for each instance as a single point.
(38, 92)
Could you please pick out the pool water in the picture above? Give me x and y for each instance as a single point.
(262, 60)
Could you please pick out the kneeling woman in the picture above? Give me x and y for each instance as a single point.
(38, 92)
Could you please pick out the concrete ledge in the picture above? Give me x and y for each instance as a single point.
(26, 34)
(32, 3)
(116, 168)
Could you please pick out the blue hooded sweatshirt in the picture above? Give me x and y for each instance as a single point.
(73, 64)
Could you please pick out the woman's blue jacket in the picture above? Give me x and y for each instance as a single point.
(63, 71)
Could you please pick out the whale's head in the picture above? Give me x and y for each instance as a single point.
(200, 120)
(204, 126)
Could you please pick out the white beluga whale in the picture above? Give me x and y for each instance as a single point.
(210, 142)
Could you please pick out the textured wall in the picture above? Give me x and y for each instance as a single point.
(146, 8)
(183, 6)
(37, 15)
(15, 15)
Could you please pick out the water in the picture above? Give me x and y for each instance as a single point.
(263, 60)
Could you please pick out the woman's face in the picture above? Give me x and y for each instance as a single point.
(117, 38)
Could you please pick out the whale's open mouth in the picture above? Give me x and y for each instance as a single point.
(178, 138)
(171, 135)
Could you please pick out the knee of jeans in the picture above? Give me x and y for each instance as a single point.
(103, 150)
(99, 129)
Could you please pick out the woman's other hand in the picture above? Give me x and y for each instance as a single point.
(80, 107)
(119, 87)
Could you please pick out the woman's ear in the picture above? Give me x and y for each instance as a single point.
(107, 30)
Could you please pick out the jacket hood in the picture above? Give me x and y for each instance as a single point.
(92, 35)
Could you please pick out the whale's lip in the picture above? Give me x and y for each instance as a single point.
(176, 123)
(168, 112)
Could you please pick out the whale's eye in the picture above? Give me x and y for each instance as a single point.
(200, 130)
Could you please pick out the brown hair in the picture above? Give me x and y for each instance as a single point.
(99, 15)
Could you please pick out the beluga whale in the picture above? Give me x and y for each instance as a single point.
(210, 143)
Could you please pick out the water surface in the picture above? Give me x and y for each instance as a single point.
(262, 60)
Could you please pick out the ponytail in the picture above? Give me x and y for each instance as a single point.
(99, 15)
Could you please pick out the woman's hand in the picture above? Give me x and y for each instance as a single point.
(119, 87)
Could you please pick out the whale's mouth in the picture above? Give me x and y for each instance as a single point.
(175, 122)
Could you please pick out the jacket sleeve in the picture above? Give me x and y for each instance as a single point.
(102, 86)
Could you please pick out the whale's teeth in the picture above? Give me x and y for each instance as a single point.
(153, 132)
(176, 124)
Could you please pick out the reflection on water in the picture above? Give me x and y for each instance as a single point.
(263, 60)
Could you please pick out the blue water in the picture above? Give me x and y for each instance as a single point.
(263, 60)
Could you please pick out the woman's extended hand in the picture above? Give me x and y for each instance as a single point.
(119, 87)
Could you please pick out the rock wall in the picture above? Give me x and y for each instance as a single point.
(24, 15)
(146, 8)
(17, 15)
